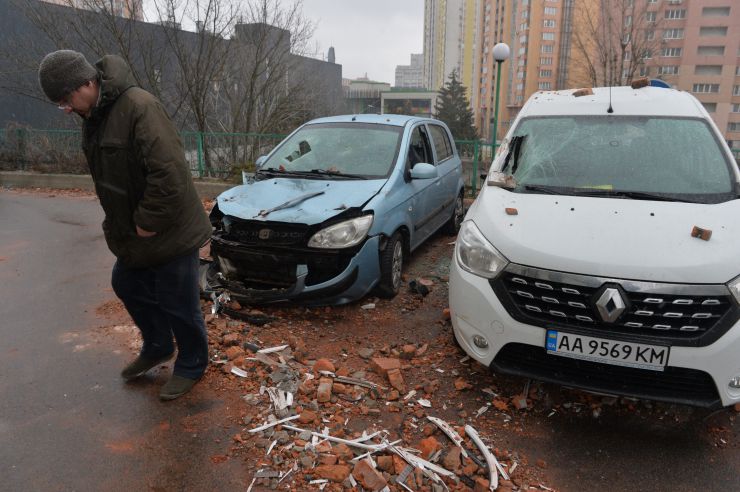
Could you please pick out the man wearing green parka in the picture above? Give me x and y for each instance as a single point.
(154, 221)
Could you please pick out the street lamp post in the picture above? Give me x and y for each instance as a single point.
(501, 53)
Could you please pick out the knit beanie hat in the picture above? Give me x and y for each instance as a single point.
(64, 71)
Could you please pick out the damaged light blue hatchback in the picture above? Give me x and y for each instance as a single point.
(333, 211)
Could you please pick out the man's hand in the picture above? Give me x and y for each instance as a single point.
(142, 233)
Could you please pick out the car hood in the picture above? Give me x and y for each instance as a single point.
(616, 238)
(305, 201)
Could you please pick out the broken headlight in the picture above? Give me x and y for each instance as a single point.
(475, 254)
(734, 286)
(342, 235)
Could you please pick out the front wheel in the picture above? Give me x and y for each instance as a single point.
(452, 226)
(391, 264)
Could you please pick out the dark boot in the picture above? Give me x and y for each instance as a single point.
(176, 387)
(140, 365)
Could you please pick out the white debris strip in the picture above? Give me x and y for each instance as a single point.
(270, 350)
(273, 424)
(239, 372)
(249, 489)
(281, 400)
(464, 359)
(424, 403)
(513, 467)
(370, 305)
(489, 391)
(493, 465)
(449, 432)
(545, 488)
(441, 371)
(482, 410)
(410, 394)
(269, 450)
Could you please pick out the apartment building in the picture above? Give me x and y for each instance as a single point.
(694, 45)
(132, 9)
(700, 53)
(411, 76)
(450, 37)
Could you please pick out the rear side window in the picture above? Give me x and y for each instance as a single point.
(442, 143)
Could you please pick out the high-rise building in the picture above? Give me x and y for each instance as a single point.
(411, 76)
(132, 9)
(693, 45)
(450, 36)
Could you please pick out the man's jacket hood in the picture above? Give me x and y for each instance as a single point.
(115, 78)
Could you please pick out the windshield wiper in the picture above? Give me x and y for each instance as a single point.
(326, 172)
(635, 195)
(550, 190)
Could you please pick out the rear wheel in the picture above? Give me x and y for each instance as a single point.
(391, 264)
(452, 226)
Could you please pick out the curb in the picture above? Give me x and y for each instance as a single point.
(17, 179)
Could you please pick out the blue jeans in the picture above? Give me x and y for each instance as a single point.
(164, 301)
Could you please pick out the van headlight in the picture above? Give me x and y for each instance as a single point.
(734, 286)
(342, 235)
(475, 254)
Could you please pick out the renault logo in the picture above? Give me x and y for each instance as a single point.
(610, 305)
(264, 234)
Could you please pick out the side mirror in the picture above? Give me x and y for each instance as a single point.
(260, 160)
(422, 170)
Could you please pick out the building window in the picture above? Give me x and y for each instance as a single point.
(546, 60)
(520, 75)
(644, 71)
(650, 16)
(706, 88)
(713, 31)
(548, 23)
(670, 52)
(710, 50)
(522, 50)
(628, 21)
(546, 48)
(525, 14)
(524, 26)
(710, 107)
(736, 90)
(708, 70)
(649, 35)
(668, 70)
(548, 36)
(652, 1)
(673, 34)
(715, 12)
(737, 70)
(551, 11)
(544, 86)
(736, 108)
(733, 126)
(675, 14)
(519, 98)
(519, 86)
(545, 73)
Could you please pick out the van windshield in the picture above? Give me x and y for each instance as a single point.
(336, 150)
(621, 156)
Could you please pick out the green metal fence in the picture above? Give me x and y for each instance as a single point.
(212, 154)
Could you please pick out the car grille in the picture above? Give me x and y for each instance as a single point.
(266, 233)
(679, 314)
(675, 384)
(276, 267)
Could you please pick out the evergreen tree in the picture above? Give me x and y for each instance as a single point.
(452, 107)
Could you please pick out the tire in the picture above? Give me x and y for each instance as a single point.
(391, 264)
(452, 226)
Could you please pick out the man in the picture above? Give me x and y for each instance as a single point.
(154, 221)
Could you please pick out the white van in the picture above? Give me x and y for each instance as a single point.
(603, 252)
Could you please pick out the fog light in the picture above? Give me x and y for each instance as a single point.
(480, 341)
(735, 382)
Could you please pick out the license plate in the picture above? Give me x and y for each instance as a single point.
(652, 357)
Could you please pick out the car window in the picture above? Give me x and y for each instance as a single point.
(672, 156)
(352, 148)
(441, 142)
(419, 148)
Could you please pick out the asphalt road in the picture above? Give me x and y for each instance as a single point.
(67, 420)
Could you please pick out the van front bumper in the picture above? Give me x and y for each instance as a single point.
(695, 375)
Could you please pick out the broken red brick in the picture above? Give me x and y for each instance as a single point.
(385, 463)
(234, 352)
(323, 365)
(461, 384)
(736, 407)
(541, 464)
(700, 233)
(586, 91)
(446, 314)
(328, 459)
(307, 416)
(323, 392)
(231, 339)
(335, 473)
(408, 351)
(422, 350)
(368, 477)
(500, 405)
(343, 452)
(429, 446)
(481, 485)
(519, 402)
(451, 460)
(511, 211)
(396, 380)
(381, 365)
(639, 83)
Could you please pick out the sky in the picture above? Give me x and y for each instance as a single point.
(368, 36)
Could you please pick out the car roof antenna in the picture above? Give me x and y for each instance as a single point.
(610, 110)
